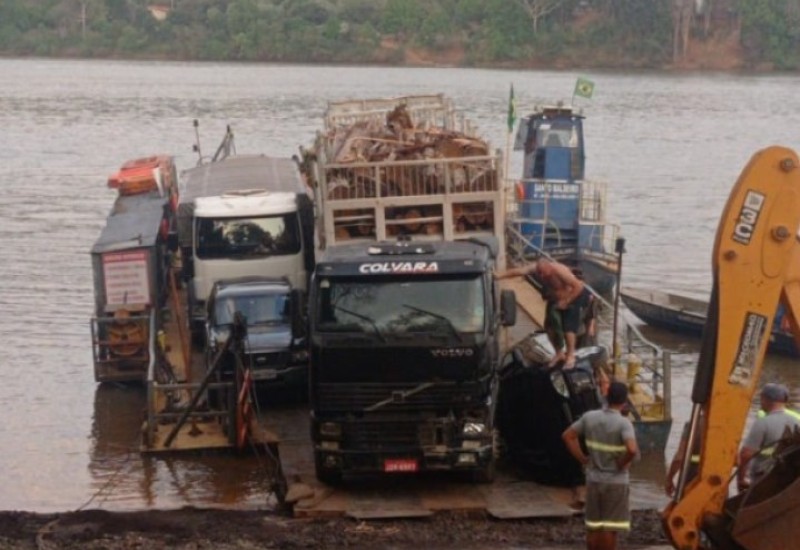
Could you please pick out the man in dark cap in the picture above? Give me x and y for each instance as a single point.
(755, 457)
(611, 442)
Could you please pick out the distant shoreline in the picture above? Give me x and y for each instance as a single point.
(505, 66)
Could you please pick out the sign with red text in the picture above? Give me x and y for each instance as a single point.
(126, 280)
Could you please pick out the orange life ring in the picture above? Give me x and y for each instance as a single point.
(520, 189)
(126, 337)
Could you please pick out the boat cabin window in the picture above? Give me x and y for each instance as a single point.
(557, 135)
(565, 162)
(251, 237)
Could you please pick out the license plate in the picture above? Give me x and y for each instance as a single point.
(399, 465)
(266, 374)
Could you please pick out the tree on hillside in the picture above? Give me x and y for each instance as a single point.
(771, 31)
(682, 13)
(89, 10)
(537, 9)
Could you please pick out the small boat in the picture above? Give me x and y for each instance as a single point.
(678, 313)
(559, 212)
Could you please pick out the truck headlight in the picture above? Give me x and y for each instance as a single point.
(299, 356)
(330, 429)
(559, 384)
(466, 459)
(474, 428)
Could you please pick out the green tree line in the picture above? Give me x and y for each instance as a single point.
(542, 33)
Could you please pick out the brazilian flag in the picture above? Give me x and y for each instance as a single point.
(584, 88)
(512, 110)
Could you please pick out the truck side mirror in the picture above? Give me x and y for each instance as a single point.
(508, 308)
(297, 300)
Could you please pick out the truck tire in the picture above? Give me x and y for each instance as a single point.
(486, 473)
(327, 476)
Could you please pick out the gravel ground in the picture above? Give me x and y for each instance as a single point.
(192, 528)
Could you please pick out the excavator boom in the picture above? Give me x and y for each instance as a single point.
(756, 266)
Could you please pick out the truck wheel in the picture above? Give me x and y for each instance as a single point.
(329, 476)
(486, 473)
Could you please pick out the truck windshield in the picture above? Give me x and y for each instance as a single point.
(394, 306)
(251, 237)
(257, 308)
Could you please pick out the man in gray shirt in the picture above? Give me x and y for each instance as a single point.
(611, 442)
(755, 457)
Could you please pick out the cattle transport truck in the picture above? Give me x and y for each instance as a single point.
(406, 315)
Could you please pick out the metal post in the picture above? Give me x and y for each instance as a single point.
(667, 374)
(196, 146)
(619, 248)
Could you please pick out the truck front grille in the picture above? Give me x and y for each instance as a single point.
(356, 397)
(269, 360)
(384, 436)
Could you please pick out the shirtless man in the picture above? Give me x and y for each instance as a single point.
(566, 296)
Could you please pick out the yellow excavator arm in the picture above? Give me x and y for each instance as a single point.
(756, 266)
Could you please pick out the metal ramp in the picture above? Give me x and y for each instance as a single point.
(401, 496)
(179, 417)
(423, 496)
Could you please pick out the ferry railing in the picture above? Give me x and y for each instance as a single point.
(593, 201)
(171, 402)
(179, 401)
(602, 237)
(591, 212)
(426, 111)
(103, 353)
(226, 148)
(639, 359)
(433, 199)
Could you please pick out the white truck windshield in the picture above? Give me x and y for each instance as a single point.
(256, 237)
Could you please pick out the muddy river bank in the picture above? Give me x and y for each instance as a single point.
(194, 528)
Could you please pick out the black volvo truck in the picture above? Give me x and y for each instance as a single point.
(405, 351)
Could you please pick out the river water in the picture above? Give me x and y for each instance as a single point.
(670, 146)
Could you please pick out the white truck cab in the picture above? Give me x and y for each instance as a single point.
(243, 216)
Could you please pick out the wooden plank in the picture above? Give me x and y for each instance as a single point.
(507, 498)
(174, 334)
(528, 298)
(191, 436)
(530, 313)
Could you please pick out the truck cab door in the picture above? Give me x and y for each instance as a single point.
(299, 317)
(508, 308)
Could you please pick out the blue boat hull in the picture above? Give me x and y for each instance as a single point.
(661, 310)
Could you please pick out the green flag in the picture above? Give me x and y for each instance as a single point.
(584, 88)
(512, 110)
